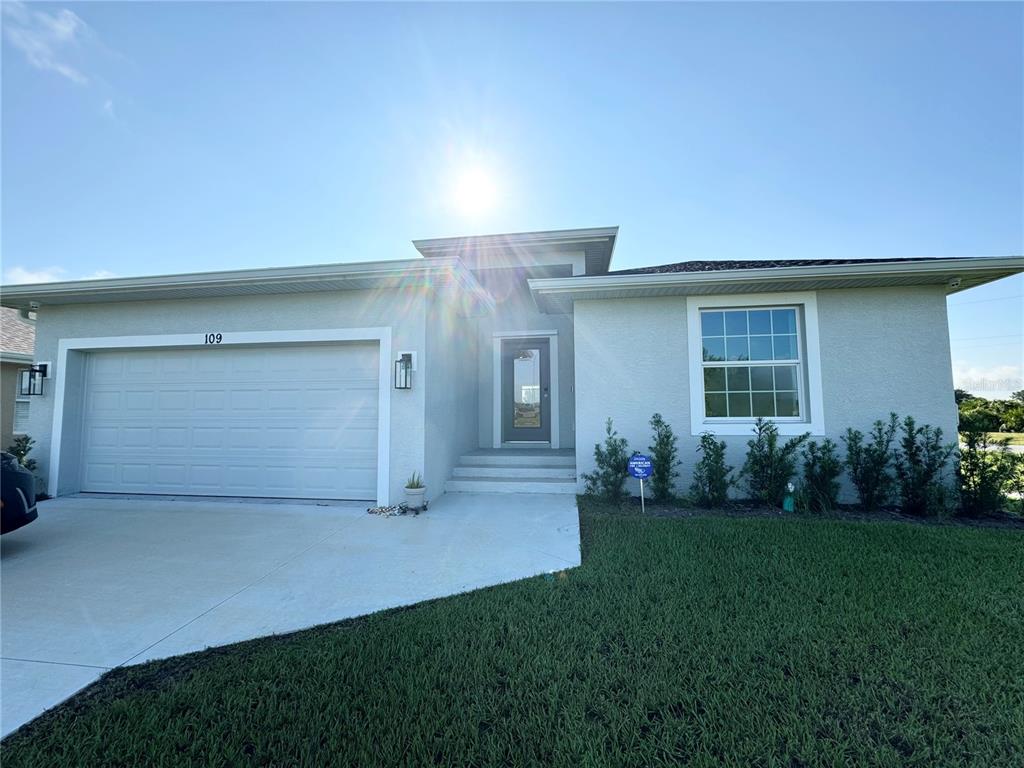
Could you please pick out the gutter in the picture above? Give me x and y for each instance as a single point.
(16, 357)
(952, 267)
(20, 296)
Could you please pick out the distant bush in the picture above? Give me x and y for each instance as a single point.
(920, 460)
(868, 462)
(770, 466)
(985, 471)
(665, 459)
(978, 414)
(711, 476)
(822, 468)
(612, 460)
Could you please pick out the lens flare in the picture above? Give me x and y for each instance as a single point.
(474, 191)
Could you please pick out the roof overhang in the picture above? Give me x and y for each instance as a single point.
(411, 273)
(527, 248)
(21, 358)
(557, 294)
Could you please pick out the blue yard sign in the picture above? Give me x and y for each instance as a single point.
(640, 466)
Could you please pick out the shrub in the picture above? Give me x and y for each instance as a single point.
(868, 463)
(711, 476)
(985, 470)
(20, 449)
(920, 461)
(1015, 480)
(665, 458)
(612, 460)
(822, 468)
(770, 466)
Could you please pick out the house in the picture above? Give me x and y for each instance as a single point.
(17, 340)
(486, 363)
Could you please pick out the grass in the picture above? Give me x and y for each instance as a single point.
(709, 641)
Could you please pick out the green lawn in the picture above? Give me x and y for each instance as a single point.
(713, 641)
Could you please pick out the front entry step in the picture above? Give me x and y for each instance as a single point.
(498, 485)
(515, 471)
(567, 474)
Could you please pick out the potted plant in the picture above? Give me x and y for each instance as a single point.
(414, 492)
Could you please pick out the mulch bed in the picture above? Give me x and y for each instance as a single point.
(851, 513)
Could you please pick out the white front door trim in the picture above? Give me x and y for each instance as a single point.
(382, 335)
(552, 337)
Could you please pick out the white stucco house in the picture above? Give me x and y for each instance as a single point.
(485, 363)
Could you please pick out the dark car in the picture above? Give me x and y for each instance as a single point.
(17, 494)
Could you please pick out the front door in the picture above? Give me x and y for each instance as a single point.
(525, 390)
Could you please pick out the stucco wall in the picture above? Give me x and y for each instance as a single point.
(882, 350)
(448, 373)
(403, 311)
(516, 311)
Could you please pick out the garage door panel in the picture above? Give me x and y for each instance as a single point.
(276, 421)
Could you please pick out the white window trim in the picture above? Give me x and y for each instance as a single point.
(381, 335)
(812, 400)
(552, 337)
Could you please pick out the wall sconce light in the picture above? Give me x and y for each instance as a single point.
(30, 380)
(403, 371)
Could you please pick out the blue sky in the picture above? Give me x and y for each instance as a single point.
(152, 138)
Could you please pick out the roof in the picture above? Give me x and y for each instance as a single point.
(17, 336)
(319, 277)
(729, 277)
(718, 266)
(482, 251)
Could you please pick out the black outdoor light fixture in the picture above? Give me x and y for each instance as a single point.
(403, 371)
(30, 380)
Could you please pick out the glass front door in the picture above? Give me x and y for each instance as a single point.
(525, 391)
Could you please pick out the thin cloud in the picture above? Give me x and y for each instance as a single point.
(988, 381)
(48, 40)
(16, 275)
(22, 276)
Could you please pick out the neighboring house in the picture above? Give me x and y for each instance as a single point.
(17, 340)
(285, 382)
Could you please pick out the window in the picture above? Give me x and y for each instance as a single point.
(751, 361)
(754, 355)
(21, 406)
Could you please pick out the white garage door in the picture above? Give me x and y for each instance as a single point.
(284, 421)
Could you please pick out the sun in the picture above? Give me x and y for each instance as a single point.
(474, 191)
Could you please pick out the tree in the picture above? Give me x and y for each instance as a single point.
(962, 394)
(1018, 396)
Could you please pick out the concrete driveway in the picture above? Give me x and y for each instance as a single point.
(97, 583)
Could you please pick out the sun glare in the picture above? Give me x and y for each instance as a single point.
(474, 191)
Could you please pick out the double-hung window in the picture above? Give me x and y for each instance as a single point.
(752, 363)
(754, 355)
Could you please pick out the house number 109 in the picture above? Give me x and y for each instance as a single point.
(214, 338)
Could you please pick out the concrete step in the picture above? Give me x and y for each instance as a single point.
(568, 474)
(518, 459)
(517, 485)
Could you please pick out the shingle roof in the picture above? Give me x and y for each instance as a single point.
(16, 335)
(718, 266)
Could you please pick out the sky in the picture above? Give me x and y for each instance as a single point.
(154, 138)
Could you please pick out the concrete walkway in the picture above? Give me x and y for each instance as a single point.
(97, 583)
